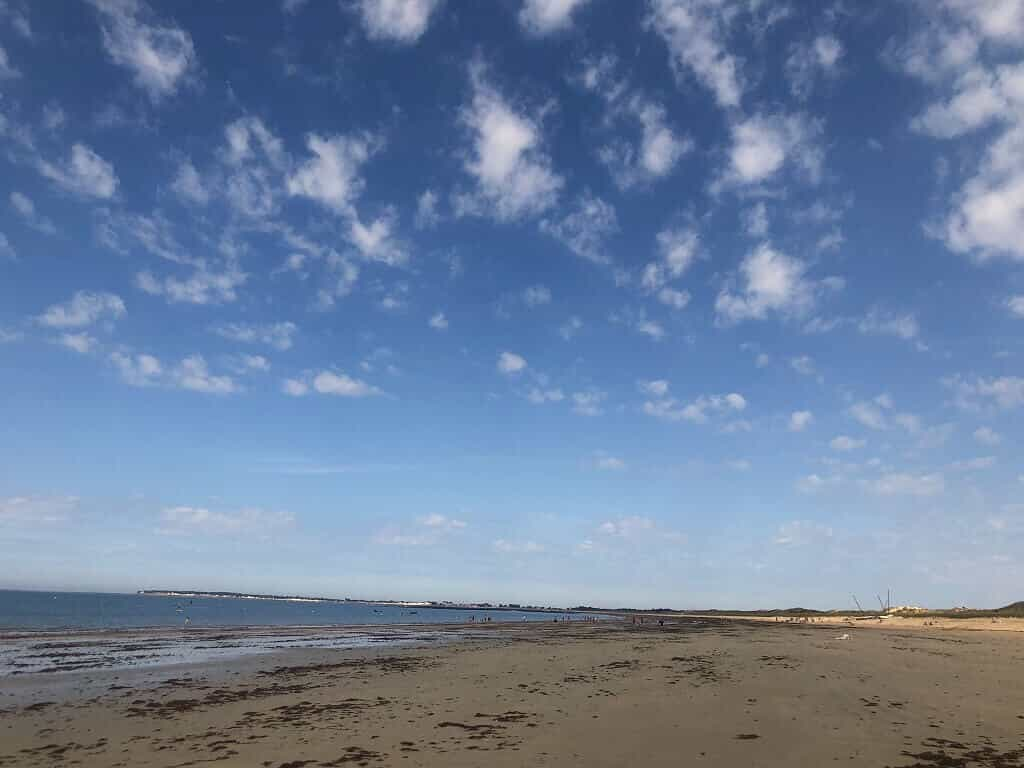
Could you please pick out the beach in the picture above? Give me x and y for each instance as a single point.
(695, 691)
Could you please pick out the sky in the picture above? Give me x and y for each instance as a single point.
(677, 303)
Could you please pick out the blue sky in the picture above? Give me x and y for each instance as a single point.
(703, 302)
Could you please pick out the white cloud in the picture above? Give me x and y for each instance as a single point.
(627, 527)
(987, 436)
(803, 365)
(798, 533)
(84, 309)
(675, 299)
(972, 393)
(763, 144)
(160, 57)
(651, 328)
(7, 70)
(377, 241)
(342, 385)
(813, 483)
(245, 363)
(697, 411)
(442, 522)
(517, 547)
(905, 484)
(193, 374)
(679, 248)
(6, 249)
(609, 463)
(536, 295)
(27, 210)
(869, 415)
(427, 215)
(400, 21)
(844, 443)
(85, 173)
(806, 62)
(570, 328)
(277, 335)
(632, 159)
(543, 17)
(188, 185)
(438, 321)
(1015, 305)
(877, 321)
(332, 176)
(539, 396)
(800, 420)
(588, 403)
(294, 387)
(975, 464)
(654, 388)
(82, 343)
(31, 510)
(695, 32)
(755, 220)
(511, 363)
(771, 282)
(513, 174)
(203, 287)
(585, 228)
(189, 521)
(137, 370)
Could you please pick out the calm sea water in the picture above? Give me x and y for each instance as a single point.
(89, 610)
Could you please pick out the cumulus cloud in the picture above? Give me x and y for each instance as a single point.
(26, 209)
(808, 61)
(82, 343)
(987, 436)
(342, 385)
(84, 173)
(539, 396)
(138, 370)
(570, 328)
(770, 282)
(512, 173)
(643, 147)
(399, 21)
(880, 322)
(800, 420)
(543, 17)
(695, 32)
(845, 443)
(589, 402)
(763, 144)
(277, 335)
(1015, 305)
(427, 215)
(35, 510)
(698, 411)
(192, 521)
(511, 363)
(84, 309)
(869, 414)
(609, 463)
(977, 392)
(438, 321)
(906, 484)
(525, 547)
(585, 228)
(193, 374)
(331, 177)
(159, 56)
(959, 49)
(188, 185)
(536, 295)
(202, 287)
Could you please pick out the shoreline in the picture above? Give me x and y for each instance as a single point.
(701, 691)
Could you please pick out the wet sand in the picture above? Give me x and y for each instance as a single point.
(712, 692)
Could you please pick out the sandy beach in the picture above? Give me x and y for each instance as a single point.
(693, 692)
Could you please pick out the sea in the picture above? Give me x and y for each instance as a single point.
(54, 633)
(21, 610)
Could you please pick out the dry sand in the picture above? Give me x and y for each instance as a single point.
(714, 693)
